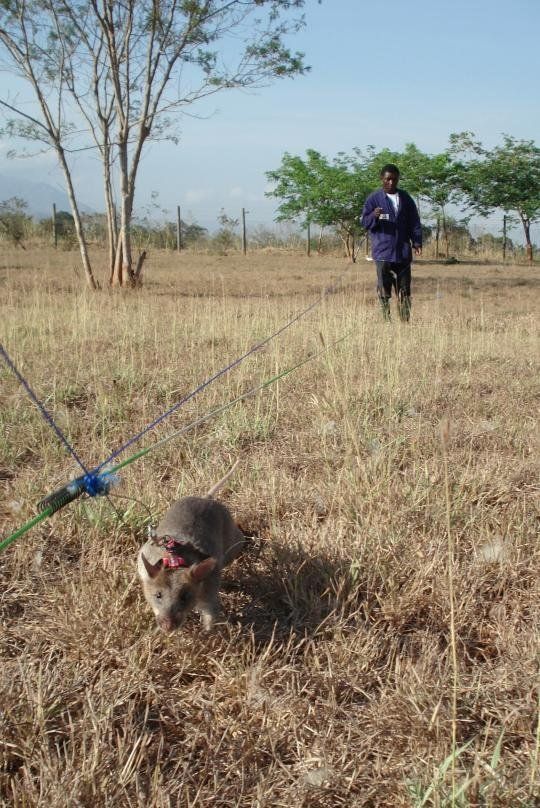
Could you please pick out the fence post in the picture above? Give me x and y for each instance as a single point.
(178, 229)
(244, 239)
(54, 226)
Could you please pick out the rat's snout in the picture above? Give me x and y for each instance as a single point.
(166, 623)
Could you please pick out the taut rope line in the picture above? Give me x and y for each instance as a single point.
(217, 375)
(46, 415)
(95, 483)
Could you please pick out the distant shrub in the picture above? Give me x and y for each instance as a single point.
(15, 224)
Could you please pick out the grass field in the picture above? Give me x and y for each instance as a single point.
(381, 636)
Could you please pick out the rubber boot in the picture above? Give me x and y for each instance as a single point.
(404, 308)
(385, 305)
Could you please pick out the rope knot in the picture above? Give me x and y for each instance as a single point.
(96, 485)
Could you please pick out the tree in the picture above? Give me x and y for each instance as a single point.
(14, 221)
(193, 233)
(124, 70)
(412, 164)
(505, 178)
(334, 193)
(164, 235)
(431, 178)
(25, 40)
(440, 188)
(226, 237)
(313, 190)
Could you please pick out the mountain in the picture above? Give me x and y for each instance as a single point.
(40, 196)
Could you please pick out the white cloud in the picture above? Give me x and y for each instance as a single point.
(246, 196)
(195, 195)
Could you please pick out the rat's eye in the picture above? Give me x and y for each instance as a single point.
(158, 595)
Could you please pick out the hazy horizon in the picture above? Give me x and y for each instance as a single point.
(381, 75)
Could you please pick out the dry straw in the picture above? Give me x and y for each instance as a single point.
(380, 645)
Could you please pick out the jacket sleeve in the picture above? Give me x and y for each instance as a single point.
(368, 220)
(416, 226)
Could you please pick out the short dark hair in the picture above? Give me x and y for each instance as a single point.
(390, 168)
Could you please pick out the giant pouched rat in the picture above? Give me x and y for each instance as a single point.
(180, 567)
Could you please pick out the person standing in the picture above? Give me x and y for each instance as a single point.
(391, 217)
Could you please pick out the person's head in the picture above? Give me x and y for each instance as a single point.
(389, 178)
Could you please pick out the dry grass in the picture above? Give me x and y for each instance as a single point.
(332, 682)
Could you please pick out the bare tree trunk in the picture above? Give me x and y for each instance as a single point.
(123, 271)
(112, 238)
(437, 234)
(125, 238)
(319, 245)
(445, 234)
(527, 230)
(79, 230)
(139, 268)
(112, 227)
(350, 246)
(115, 278)
(124, 274)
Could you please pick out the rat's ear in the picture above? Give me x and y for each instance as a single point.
(198, 572)
(152, 569)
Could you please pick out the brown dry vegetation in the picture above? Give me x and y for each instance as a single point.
(332, 681)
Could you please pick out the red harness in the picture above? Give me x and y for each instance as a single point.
(173, 559)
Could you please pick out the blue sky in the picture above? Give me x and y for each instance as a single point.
(384, 72)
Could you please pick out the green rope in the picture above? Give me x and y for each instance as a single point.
(51, 509)
(25, 528)
(219, 410)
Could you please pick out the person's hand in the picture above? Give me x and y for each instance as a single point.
(377, 212)
(417, 250)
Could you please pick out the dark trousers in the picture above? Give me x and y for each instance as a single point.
(397, 276)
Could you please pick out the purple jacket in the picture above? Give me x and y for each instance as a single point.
(391, 239)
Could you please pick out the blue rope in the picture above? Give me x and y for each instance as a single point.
(92, 482)
(217, 375)
(46, 415)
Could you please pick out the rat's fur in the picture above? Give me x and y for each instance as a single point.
(213, 540)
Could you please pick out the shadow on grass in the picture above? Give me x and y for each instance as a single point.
(274, 591)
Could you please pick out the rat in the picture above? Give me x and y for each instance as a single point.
(180, 568)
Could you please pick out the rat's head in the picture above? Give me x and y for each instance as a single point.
(172, 592)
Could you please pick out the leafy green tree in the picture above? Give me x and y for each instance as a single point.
(438, 185)
(95, 226)
(193, 233)
(165, 235)
(330, 194)
(505, 178)
(225, 238)
(65, 225)
(430, 178)
(412, 164)
(14, 221)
